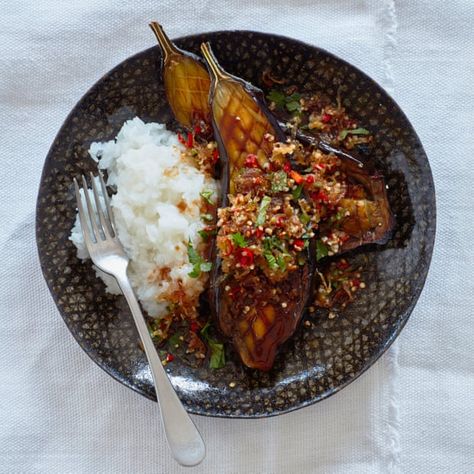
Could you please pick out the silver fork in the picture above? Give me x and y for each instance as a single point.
(107, 254)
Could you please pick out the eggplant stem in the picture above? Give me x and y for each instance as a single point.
(215, 68)
(324, 146)
(167, 47)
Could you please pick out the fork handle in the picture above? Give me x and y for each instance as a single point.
(183, 437)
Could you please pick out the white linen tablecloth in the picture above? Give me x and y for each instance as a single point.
(413, 412)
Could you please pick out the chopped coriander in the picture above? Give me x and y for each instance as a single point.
(207, 217)
(198, 263)
(297, 192)
(355, 131)
(293, 106)
(195, 272)
(239, 240)
(217, 358)
(206, 195)
(293, 103)
(262, 212)
(277, 97)
(174, 341)
(321, 250)
(205, 330)
(294, 96)
(274, 243)
(205, 234)
(359, 131)
(270, 243)
(193, 255)
(281, 262)
(304, 218)
(343, 134)
(271, 260)
(290, 102)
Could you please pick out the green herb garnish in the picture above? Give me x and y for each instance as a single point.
(271, 260)
(274, 243)
(291, 102)
(262, 212)
(206, 195)
(195, 272)
(321, 250)
(174, 341)
(355, 131)
(193, 256)
(239, 240)
(198, 263)
(304, 218)
(281, 262)
(270, 243)
(277, 97)
(217, 359)
(205, 234)
(297, 192)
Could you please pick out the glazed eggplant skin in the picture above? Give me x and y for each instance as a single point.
(254, 318)
(256, 314)
(241, 121)
(256, 321)
(370, 219)
(186, 81)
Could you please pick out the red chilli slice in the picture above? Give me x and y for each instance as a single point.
(245, 257)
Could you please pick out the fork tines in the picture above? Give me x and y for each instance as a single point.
(96, 219)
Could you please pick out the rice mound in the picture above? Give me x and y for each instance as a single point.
(156, 209)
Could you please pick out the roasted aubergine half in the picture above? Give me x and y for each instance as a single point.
(257, 311)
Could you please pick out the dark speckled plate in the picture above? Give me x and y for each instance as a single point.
(320, 359)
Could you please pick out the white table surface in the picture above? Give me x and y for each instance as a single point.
(413, 412)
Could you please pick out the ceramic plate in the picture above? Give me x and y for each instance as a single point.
(320, 359)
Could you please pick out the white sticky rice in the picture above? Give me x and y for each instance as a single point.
(156, 208)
